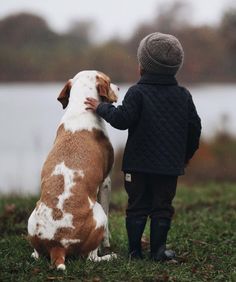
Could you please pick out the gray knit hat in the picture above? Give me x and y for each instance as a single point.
(160, 53)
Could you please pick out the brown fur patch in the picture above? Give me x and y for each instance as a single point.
(64, 96)
(57, 214)
(103, 87)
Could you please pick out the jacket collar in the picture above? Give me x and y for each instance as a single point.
(150, 78)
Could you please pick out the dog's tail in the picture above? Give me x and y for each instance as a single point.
(57, 255)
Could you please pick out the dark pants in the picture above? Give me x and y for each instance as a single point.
(150, 195)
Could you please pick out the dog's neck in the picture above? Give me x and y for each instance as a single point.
(76, 117)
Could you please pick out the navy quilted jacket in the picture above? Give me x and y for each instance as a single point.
(164, 127)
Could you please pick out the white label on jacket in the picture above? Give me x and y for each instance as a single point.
(128, 177)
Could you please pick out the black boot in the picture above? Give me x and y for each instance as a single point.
(158, 237)
(135, 227)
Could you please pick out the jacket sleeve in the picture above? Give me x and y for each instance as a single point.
(194, 130)
(125, 115)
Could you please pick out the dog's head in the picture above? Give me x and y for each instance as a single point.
(96, 82)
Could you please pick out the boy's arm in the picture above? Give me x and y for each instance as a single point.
(194, 131)
(125, 115)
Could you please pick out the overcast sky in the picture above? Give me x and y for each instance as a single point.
(117, 17)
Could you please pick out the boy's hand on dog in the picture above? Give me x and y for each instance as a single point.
(91, 103)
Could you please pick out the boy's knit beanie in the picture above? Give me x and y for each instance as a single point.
(160, 53)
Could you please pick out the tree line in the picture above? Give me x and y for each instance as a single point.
(31, 51)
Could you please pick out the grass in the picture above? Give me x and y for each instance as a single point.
(203, 235)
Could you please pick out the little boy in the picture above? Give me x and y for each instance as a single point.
(164, 131)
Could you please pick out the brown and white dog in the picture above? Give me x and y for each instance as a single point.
(67, 218)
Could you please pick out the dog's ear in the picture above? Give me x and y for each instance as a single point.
(65, 94)
(102, 85)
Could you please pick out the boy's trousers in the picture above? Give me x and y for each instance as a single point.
(150, 194)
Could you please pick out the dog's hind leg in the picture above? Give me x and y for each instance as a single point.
(93, 256)
(57, 255)
(104, 200)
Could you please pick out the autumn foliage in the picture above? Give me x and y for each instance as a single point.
(214, 161)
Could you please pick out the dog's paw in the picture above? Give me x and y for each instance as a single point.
(114, 256)
(35, 255)
(108, 257)
(111, 256)
(93, 256)
(61, 267)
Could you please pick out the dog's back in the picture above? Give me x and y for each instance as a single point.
(77, 163)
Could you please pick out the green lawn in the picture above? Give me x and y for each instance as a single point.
(203, 235)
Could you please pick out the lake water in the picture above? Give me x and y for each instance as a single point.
(30, 113)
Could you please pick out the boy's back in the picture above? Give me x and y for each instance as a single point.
(159, 114)
(157, 141)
